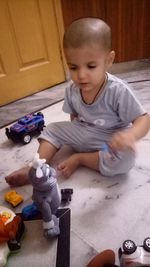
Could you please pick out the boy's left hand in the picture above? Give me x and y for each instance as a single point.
(122, 141)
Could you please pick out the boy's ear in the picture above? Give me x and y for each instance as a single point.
(110, 59)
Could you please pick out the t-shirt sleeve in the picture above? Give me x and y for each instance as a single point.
(68, 105)
(129, 107)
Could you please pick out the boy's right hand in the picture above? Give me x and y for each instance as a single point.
(122, 140)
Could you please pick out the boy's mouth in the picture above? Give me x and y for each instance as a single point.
(83, 84)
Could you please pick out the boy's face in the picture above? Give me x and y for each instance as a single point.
(88, 66)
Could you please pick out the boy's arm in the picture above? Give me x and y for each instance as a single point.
(140, 126)
(126, 139)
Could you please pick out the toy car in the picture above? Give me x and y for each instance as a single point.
(26, 127)
(13, 198)
(66, 195)
(11, 230)
(132, 256)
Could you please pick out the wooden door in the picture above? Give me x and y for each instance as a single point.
(128, 19)
(30, 55)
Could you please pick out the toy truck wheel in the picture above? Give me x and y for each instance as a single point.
(40, 126)
(26, 138)
(7, 132)
(129, 247)
(146, 244)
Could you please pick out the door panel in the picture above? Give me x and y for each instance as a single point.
(30, 56)
(129, 21)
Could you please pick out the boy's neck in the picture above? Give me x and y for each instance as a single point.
(90, 97)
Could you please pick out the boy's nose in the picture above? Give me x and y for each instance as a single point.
(81, 74)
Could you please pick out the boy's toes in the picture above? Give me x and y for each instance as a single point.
(61, 166)
(9, 180)
(12, 181)
(18, 178)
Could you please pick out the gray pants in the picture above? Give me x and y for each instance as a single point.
(85, 138)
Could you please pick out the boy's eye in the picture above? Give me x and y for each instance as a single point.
(72, 68)
(91, 66)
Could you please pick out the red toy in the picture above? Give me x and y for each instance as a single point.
(8, 231)
(11, 231)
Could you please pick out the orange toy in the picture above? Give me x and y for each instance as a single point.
(13, 198)
(106, 257)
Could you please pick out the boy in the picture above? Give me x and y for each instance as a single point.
(103, 110)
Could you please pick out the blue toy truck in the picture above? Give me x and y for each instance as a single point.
(26, 127)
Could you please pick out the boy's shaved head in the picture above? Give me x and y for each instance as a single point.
(88, 31)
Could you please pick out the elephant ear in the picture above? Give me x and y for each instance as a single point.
(37, 162)
(39, 172)
(103, 259)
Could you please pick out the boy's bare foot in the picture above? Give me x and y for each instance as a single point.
(19, 177)
(68, 166)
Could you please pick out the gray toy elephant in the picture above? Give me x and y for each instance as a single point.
(46, 194)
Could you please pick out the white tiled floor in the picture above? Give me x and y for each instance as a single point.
(105, 211)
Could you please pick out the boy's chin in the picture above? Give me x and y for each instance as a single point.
(85, 87)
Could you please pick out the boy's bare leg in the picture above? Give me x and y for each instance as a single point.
(20, 177)
(90, 160)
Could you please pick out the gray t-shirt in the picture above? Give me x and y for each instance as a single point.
(115, 109)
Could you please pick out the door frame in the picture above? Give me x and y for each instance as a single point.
(60, 27)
